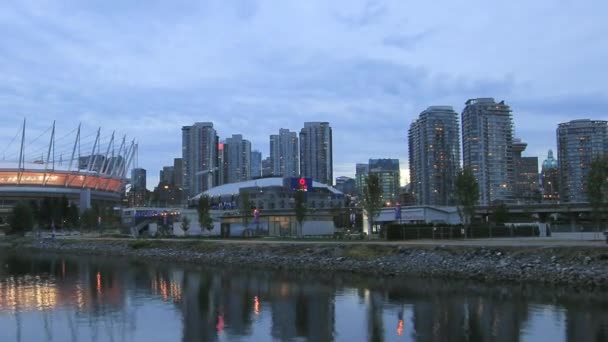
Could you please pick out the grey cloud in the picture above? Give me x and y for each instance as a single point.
(372, 11)
(408, 42)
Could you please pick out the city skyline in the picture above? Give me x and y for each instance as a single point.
(363, 66)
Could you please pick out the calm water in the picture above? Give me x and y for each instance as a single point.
(51, 298)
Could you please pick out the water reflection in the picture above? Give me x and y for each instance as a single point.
(47, 298)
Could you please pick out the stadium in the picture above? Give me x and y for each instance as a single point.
(84, 167)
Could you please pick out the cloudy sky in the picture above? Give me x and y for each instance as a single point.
(369, 67)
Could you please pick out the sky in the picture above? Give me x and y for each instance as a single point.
(369, 67)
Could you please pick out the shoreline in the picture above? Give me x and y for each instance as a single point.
(580, 267)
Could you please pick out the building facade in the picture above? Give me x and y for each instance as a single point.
(550, 178)
(346, 185)
(487, 145)
(388, 174)
(526, 188)
(256, 164)
(200, 158)
(579, 142)
(361, 173)
(434, 155)
(237, 152)
(285, 153)
(316, 152)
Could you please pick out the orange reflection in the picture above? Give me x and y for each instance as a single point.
(400, 327)
(98, 276)
(220, 323)
(39, 295)
(256, 305)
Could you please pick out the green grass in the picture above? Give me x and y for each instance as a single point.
(144, 244)
(364, 252)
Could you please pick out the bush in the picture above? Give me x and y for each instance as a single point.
(21, 219)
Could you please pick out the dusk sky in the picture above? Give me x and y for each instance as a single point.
(146, 68)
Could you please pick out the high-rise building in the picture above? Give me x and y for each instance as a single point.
(285, 154)
(167, 175)
(138, 192)
(138, 179)
(487, 145)
(200, 158)
(94, 162)
(178, 180)
(237, 152)
(579, 142)
(388, 174)
(266, 167)
(434, 155)
(346, 185)
(550, 178)
(256, 164)
(526, 188)
(316, 153)
(361, 173)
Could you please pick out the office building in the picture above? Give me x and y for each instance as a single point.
(237, 154)
(526, 188)
(361, 173)
(487, 145)
(199, 157)
(579, 142)
(167, 175)
(138, 179)
(316, 153)
(285, 154)
(346, 185)
(434, 156)
(138, 193)
(550, 178)
(388, 174)
(256, 164)
(266, 167)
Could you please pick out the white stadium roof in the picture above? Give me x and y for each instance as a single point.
(233, 188)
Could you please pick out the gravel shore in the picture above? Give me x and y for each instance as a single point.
(581, 267)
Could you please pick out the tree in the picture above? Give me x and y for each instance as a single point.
(46, 213)
(204, 218)
(300, 206)
(500, 213)
(185, 223)
(73, 218)
(467, 195)
(88, 218)
(245, 206)
(372, 198)
(597, 188)
(21, 218)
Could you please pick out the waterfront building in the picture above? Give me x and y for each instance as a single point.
(316, 152)
(434, 155)
(346, 185)
(361, 173)
(237, 153)
(526, 189)
(200, 157)
(285, 153)
(487, 144)
(256, 164)
(579, 142)
(388, 174)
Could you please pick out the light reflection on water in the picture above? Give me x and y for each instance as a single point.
(47, 298)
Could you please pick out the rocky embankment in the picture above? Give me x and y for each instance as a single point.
(585, 267)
